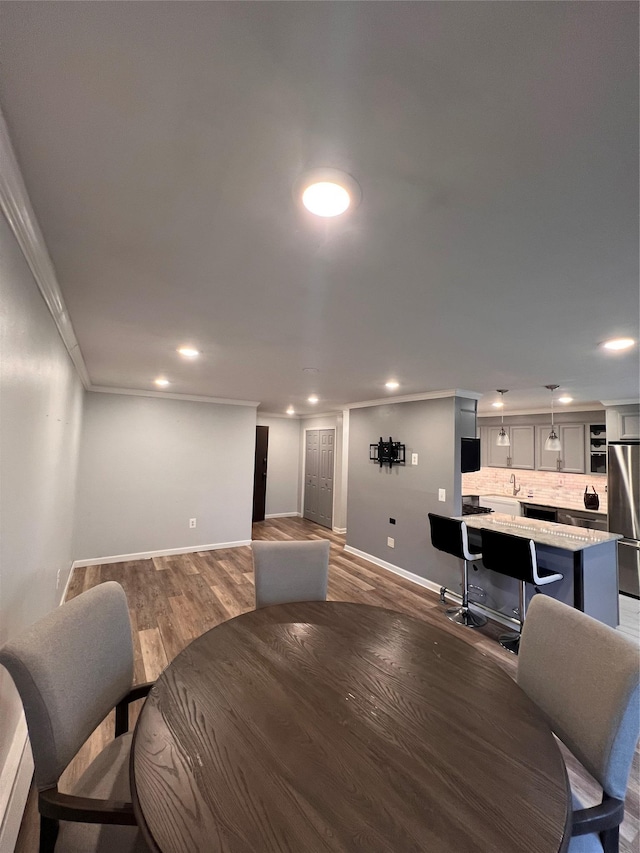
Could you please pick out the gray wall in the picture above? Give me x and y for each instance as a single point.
(283, 465)
(432, 429)
(40, 422)
(148, 464)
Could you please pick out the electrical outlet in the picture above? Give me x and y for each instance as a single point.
(391, 542)
(192, 522)
(414, 458)
(442, 494)
(392, 521)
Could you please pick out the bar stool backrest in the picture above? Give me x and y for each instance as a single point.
(509, 555)
(451, 536)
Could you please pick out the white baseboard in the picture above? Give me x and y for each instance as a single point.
(15, 781)
(166, 552)
(341, 530)
(495, 615)
(410, 576)
(283, 515)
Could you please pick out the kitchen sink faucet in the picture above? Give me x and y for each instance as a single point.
(516, 489)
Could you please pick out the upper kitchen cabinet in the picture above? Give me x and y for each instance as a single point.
(623, 423)
(521, 452)
(571, 458)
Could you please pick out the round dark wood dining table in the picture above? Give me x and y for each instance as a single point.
(331, 726)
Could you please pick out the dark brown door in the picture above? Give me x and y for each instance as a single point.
(260, 473)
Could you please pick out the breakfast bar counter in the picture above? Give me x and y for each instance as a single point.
(588, 559)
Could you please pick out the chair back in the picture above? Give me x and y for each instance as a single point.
(585, 677)
(290, 571)
(451, 536)
(509, 555)
(71, 668)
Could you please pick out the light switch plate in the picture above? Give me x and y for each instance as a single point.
(391, 542)
(414, 458)
(442, 494)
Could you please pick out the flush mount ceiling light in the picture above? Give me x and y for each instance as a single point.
(291, 410)
(565, 399)
(313, 399)
(161, 382)
(327, 192)
(552, 442)
(618, 344)
(503, 439)
(188, 352)
(498, 404)
(392, 385)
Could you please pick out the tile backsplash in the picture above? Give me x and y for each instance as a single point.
(538, 485)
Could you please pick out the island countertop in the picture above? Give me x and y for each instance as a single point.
(549, 533)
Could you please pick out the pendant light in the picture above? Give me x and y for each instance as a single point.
(552, 442)
(503, 439)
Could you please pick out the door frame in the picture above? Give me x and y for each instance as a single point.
(303, 468)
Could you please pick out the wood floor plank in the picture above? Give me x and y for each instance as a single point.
(153, 653)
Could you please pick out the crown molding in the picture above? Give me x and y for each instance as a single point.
(168, 395)
(16, 206)
(411, 398)
(278, 415)
(632, 402)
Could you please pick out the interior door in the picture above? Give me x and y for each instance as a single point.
(311, 475)
(325, 503)
(260, 473)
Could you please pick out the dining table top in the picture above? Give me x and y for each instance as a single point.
(333, 726)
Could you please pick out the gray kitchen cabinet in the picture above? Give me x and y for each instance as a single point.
(521, 453)
(571, 459)
(623, 423)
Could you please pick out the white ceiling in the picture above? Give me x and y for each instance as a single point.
(496, 146)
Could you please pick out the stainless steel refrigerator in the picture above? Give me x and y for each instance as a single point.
(624, 511)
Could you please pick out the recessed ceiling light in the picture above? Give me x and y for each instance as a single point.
(310, 370)
(161, 382)
(313, 399)
(291, 410)
(618, 343)
(327, 192)
(498, 404)
(188, 352)
(326, 199)
(392, 385)
(565, 399)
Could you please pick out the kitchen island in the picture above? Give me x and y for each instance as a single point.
(587, 559)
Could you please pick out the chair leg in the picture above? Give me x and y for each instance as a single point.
(48, 834)
(610, 840)
(463, 615)
(511, 641)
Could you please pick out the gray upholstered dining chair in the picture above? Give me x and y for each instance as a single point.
(290, 571)
(585, 677)
(71, 669)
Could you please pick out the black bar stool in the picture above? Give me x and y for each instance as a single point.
(514, 557)
(450, 535)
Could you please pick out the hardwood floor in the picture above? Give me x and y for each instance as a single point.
(174, 599)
